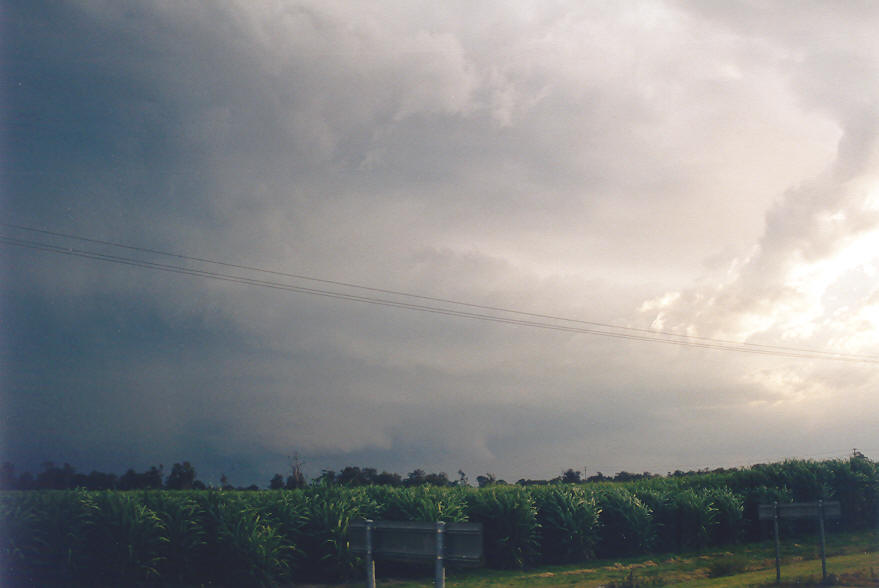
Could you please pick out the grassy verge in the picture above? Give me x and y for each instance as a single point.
(852, 560)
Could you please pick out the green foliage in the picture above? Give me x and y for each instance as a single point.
(183, 521)
(250, 551)
(687, 518)
(627, 526)
(510, 528)
(729, 520)
(419, 503)
(855, 484)
(59, 539)
(568, 518)
(126, 540)
(19, 543)
(78, 537)
(324, 537)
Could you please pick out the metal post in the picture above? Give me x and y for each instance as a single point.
(777, 547)
(370, 563)
(821, 528)
(440, 573)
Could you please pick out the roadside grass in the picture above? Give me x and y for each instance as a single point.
(852, 560)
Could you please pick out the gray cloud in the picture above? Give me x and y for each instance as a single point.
(568, 160)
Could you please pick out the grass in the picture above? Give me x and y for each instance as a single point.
(852, 560)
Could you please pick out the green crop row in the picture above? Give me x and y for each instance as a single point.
(263, 538)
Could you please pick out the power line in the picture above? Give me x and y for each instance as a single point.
(633, 335)
(690, 339)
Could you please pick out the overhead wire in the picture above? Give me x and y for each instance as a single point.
(621, 333)
(652, 332)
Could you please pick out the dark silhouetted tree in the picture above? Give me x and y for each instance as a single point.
(26, 481)
(7, 476)
(149, 480)
(55, 478)
(327, 477)
(296, 479)
(153, 477)
(182, 476)
(129, 480)
(277, 482)
(416, 477)
(294, 482)
(571, 476)
(388, 479)
(101, 481)
(352, 476)
(440, 479)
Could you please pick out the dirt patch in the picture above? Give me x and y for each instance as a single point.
(580, 571)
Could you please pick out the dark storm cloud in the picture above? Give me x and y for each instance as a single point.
(573, 160)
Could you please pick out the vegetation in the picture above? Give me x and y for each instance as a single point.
(192, 537)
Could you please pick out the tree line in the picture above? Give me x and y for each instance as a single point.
(182, 476)
(65, 477)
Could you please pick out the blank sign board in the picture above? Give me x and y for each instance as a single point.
(800, 510)
(462, 542)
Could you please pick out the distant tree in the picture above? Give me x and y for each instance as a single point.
(26, 481)
(199, 485)
(182, 476)
(149, 480)
(129, 480)
(7, 476)
(100, 481)
(388, 479)
(294, 482)
(55, 478)
(153, 477)
(486, 480)
(625, 476)
(599, 477)
(462, 479)
(416, 478)
(571, 476)
(440, 479)
(296, 479)
(528, 482)
(277, 482)
(352, 476)
(327, 477)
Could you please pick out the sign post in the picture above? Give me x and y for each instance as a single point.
(821, 528)
(777, 546)
(370, 563)
(799, 510)
(440, 570)
(439, 542)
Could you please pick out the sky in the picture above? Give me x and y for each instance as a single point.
(702, 175)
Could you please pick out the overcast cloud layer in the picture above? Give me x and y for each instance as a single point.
(706, 168)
